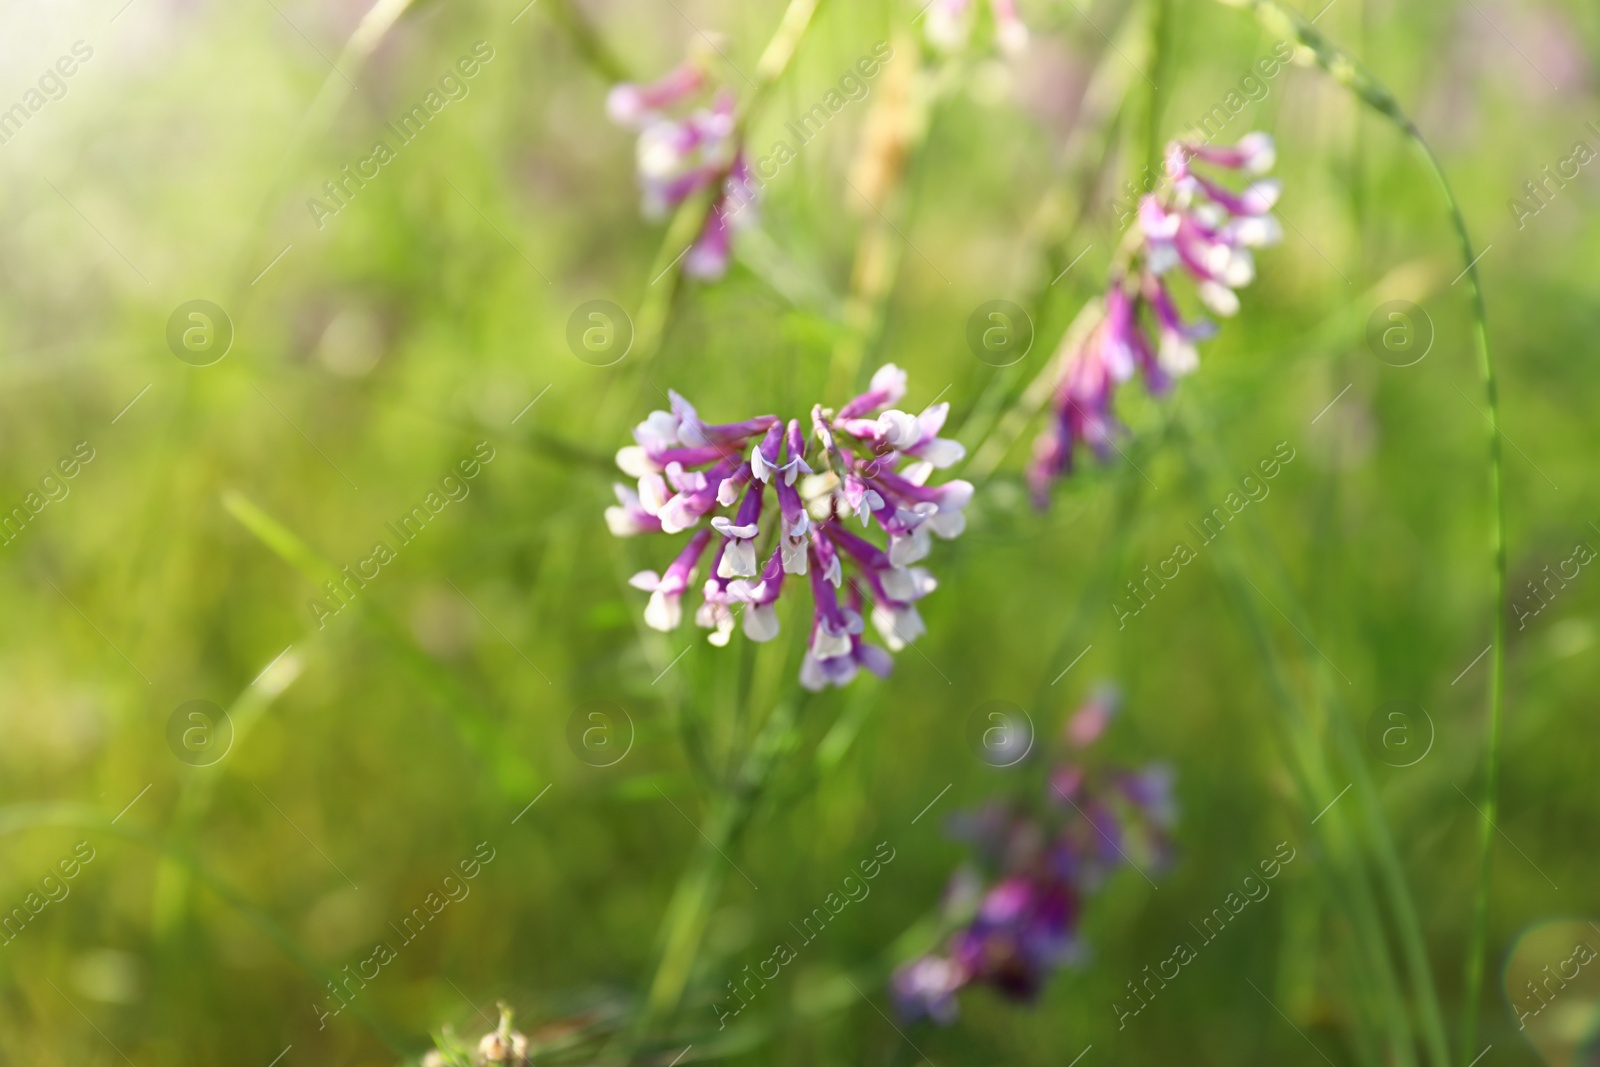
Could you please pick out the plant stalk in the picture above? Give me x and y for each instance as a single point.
(1354, 76)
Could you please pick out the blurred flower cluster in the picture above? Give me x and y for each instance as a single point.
(950, 24)
(1191, 222)
(689, 141)
(1015, 906)
(871, 469)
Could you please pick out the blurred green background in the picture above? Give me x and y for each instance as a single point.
(370, 756)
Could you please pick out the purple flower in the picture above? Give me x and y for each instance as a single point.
(870, 466)
(1195, 226)
(1024, 928)
(684, 149)
(1022, 931)
(1043, 860)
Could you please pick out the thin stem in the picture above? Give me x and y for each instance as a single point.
(1390, 873)
(700, 888)
(1379, 993)
(779, 53)
(656, 306)
(1478, 949)
(1350, 73)
(590, 46)
(336, 88)
(907, 112)
(686, 224)
(998, 441)
(1160, 56)
(997, 412)
(1092, 602)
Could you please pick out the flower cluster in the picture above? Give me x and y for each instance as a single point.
(685, 148)
(1017, 906)
(949, 23)
(1194, 223)
(871, 463)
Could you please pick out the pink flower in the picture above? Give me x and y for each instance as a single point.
(683, 150)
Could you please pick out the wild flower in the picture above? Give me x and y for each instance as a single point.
(870, 464)
(689, 141)
(1016, 906)
(950, 24)
(1194, 224)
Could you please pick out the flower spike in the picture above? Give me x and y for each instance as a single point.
(1015, 906)
(685, 149)
(1195, 226)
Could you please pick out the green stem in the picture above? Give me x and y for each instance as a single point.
(700, 888)
(1350, 73)
(590, 46)
(1390, 872)
(336, 88)
(779, 53)
(655, 310)
(1478, 949)
(1160, 55)
(1378, 994)
(1001, 413)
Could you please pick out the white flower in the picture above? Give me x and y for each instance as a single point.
(1259, 151)
(792, 546)
(659, 430)
(907, 584)
(660, 153)
(889, 380)
(811, 674)
(653, 495)
(636, 462)
(624, 104)
(898, 429)
(834, 575)
(1178, 355)
(1255, 231)
(832, 640)
(714, 615)
(665, 609)
(624, 521)
(1013, 37)
(947, 24)
(898, 626)
(761, 622)
(907, 548)
(1260, 196)
(759, 465)
(739, 556)
(678, 515)
(1238, 267)
(948, 524)
(1162, 256)
(940, 452)
(1219, 298)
